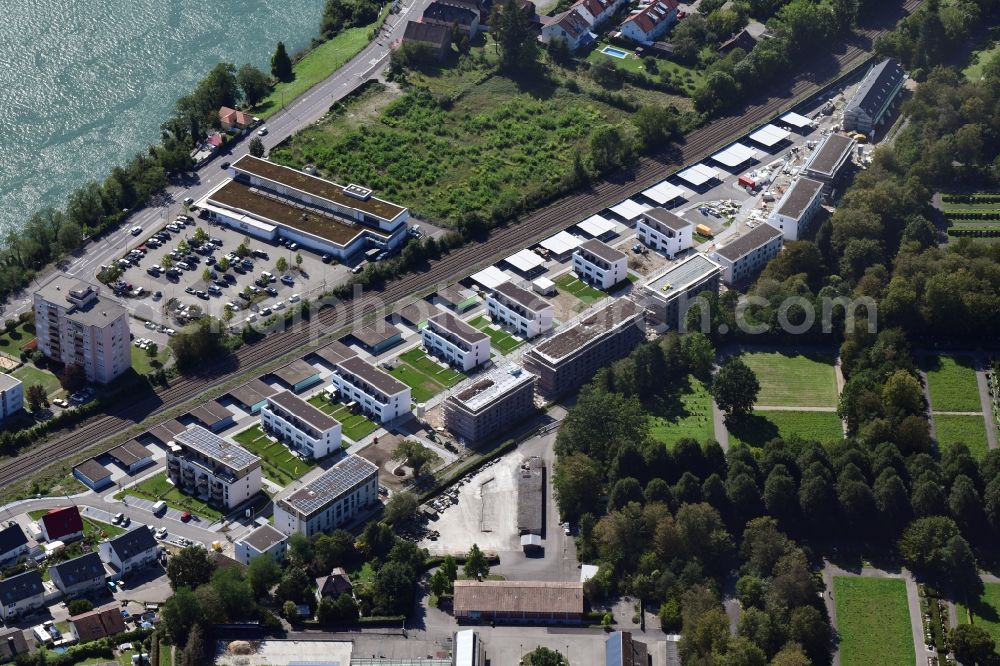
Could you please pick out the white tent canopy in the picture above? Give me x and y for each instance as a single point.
(769, 135)
(491, 277)
(629, 209)
(665, 192)
(735, 155)
(561, 243)
(596, 226)
(795, 120)
(525, 261)
(698, 175)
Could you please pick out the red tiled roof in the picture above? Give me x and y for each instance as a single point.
(98, 623)
(62, 522)
(234, 117)
(649, 17)
(215, 139)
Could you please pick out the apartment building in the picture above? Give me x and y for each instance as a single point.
(301, 427)
(669, 293)
(519, 310)
(375, 393)
(495, 401)
(331, 500)
(747, 255)
(214, 470)
(76, 326)
(11, 395)
(265, 540)
(662, 231)
(455, 342)
(599, 264)
(795, 210)
(827, 162)
(875, 97)
(568, 359)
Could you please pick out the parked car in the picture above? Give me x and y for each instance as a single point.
(287, 279)
(157, 295)
(118, 517)
(188, 201)
(185, 517)
(271, 291)
(59, 402)
(326, 258)
(224, 165)
(262, 131)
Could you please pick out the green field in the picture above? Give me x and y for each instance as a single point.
(685, 77)
(279, 463)
(500, 339)
(443, 375)
(687, 414)
(985, 611)
(354, 427)
(29, 374)
(583, 291)
(794, 380)
(13, 341)
(969, 430)
(422, 387)
(978, 60)
(760, 427)
(951, 381)
(143, 364)
(157, 488)
(873, 621)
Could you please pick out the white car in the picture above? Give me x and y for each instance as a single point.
(294, 298)
(171, 331)
(135, 231)
(160, 533)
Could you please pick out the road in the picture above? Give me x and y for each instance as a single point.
(299, 113)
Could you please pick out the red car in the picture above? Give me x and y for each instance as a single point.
(185, 517)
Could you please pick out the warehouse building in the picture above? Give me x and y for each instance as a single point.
(527, 602)
(568, 359)
(331, 500)
(796, 209)
(747, 255)
(670, 293)
(491, 405)
(874, 98)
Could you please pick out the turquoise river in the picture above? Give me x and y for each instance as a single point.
(84, 84)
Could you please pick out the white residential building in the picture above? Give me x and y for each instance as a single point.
(455, 342)
(11, 395)
(331, 500)
(794, 212)
(300, 426)
(664, 231)
(647, 24)
(748, 254)
(212, 469)
(75, 326)
(13, 544)
(265, 540)
(377, 394)
(129, 552)
(520, 311)
(573, 27)
(21, 595)
(599, 264)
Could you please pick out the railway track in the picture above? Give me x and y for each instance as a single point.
(533, 227)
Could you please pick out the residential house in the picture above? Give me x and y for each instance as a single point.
(21, 595)
(455, 342)
(376, 393)
(80, 576)
(572, 26)
(741, 40)
(432, 35)
(520, 311)
(13, 643)
(334, 585)
(600, 10)
(664, 231)
(232, 119)
(301, 427)
(599, 264)
(129, 552)
(265, 540)
(795, 210)
(650, 21)
(447, 14)
(62, 524)
(13, 544)
(98, 623)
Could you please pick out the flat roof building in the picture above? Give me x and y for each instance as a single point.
(376, 393)
(874, 98)
(520, 311)
(531, 497)
(827, 161)
(305, 430)
(11, 395)
(74, 325)
(665, 232)
(331, 500)
(599, 264)
(132, 456)
(747, 255)
(795, 210)
(455, 342)
(265, 540)
(297, 376)
(543, 602)
(670, 292)
(491, 404)
(212, 469)
(568, 359)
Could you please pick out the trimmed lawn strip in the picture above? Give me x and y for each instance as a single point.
(684, 415)
(443, 375)
(760, 427)
(13, 341)
(500, 339)
(583, 291)
(157, 488)
(984, 612)
(873, 621)
(143, 364)
(29, 374)
(969, 430)
(797, 380)
(280, 464)
(951, 381)
(423, 388)
(354, 427)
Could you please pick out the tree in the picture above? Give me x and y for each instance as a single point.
(263, 572)
(972, 644)
(655, 125)
(300, 549)
(195, 651)
(735, 387)
(235, 593)
(543, 656)
(476, 565)
(934, 547)
(450, 568)
(73, 378)
(281, 265)
(70, 236)
(439, 583)
(36, 397)
(576, 476)
(295, 586)
(514, 38)
(415, 455)
(393, 589)
(189, 568)
(253, 83)
(256, 147)
(281, 64)
(342, 609)
(699, 354)
(401, 506)
(902, 394)
(198, 345)
(624, 491)
(222, 265)
(179, 613)
(290, 610)
(78, 606)
(608, 148)
(298, 260)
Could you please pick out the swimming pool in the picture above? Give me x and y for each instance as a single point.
(613, 52)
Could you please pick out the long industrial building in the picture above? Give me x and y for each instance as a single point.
(528, 602)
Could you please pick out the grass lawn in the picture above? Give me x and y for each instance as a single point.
(92, 530)
(443, 375)
(686, 414)
(873, 621)
(143, 364)
(363, 575)
(13, 341)
(500, 339)
(422, 387)
(984, 611)
(952, 384)
(762, 426)
(685, 77)
(978, 60)
(29, 374)
(280, 465)
(157, 488)
(582, 290)
(794, 380)
(354, 427)
(969, 430)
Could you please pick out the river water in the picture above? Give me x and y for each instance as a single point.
(85, 84)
